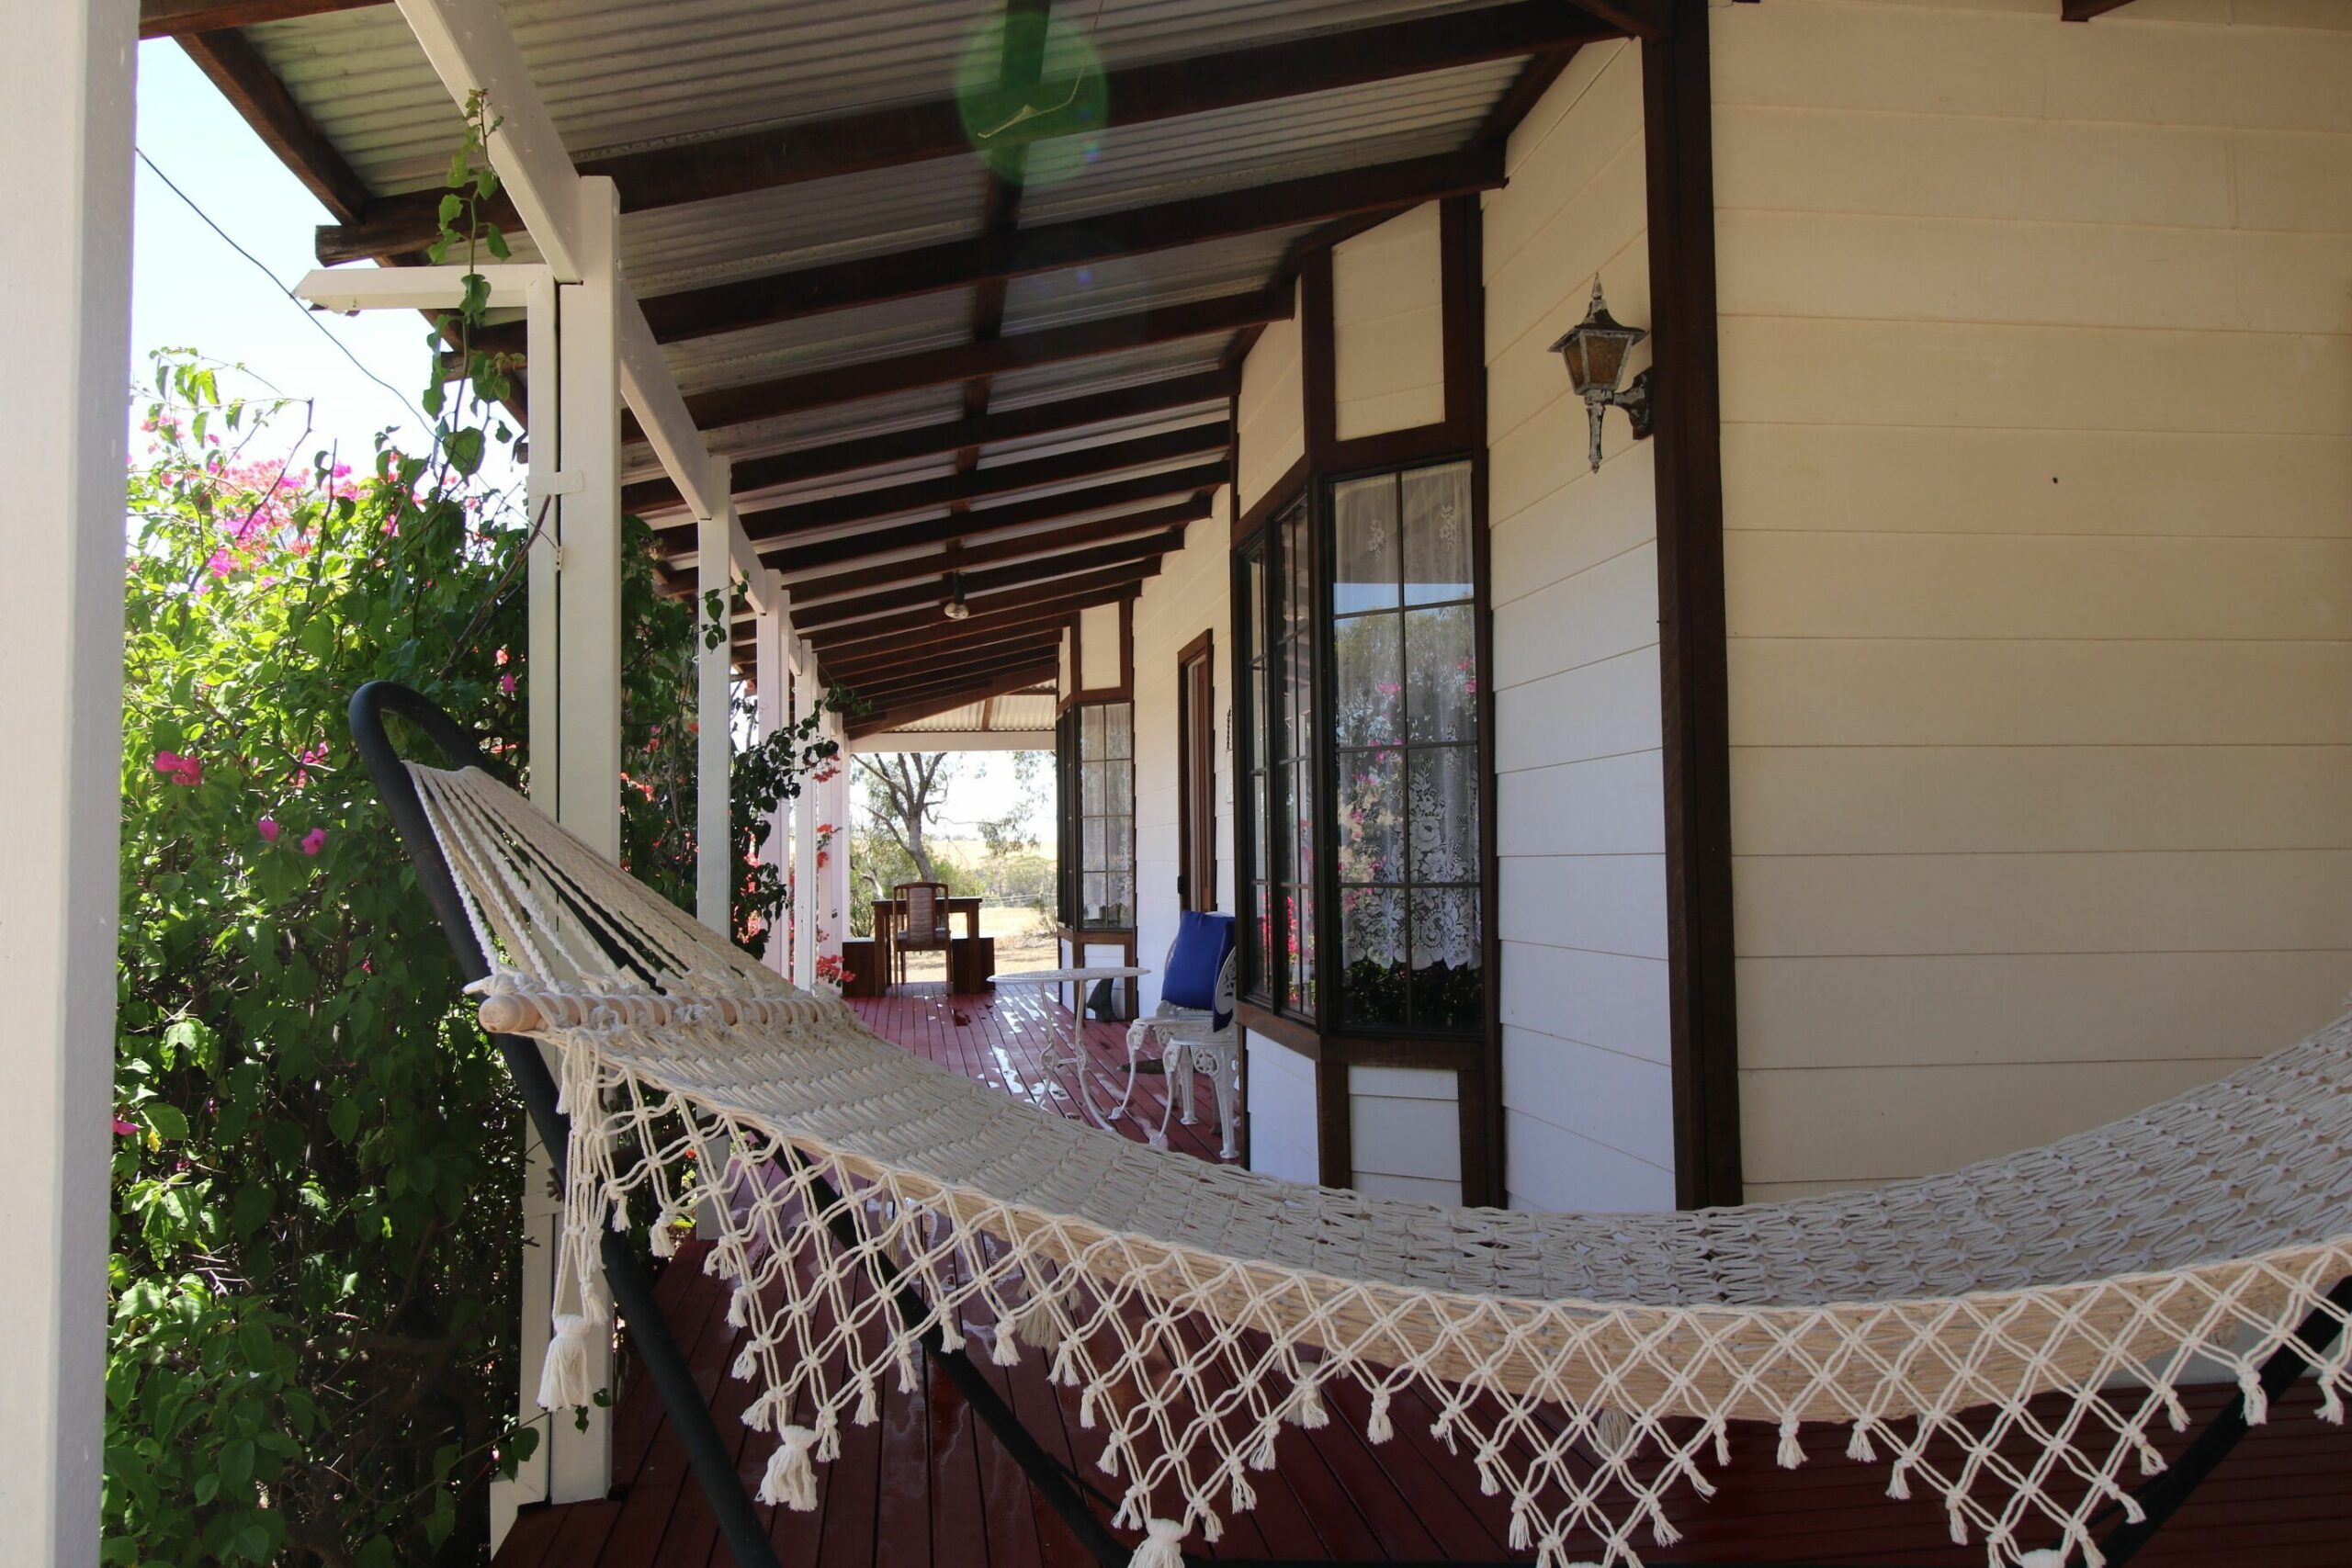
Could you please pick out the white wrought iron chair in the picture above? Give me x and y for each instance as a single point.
(1188, 1040)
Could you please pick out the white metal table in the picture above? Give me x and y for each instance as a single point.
(1073, 1055)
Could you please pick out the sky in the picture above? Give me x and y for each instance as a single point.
(191, 288)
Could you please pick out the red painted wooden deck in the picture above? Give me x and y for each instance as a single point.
(925, 1485)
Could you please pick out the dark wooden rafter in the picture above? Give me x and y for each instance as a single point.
(1010, 608)
(906, 710)
(1645, 19)
(959, 556)
(887, 502)
(1043, 572)
(753, 474)
(237, 68)
(886, 664)
(2083, 10)
(909, 133)
(944, 677)
(1001, 647)
(177, 19)
(962, 362)
(1004, 251)
(797, 559)
(1694, 707)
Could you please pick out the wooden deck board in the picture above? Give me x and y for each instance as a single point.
(925, 1484)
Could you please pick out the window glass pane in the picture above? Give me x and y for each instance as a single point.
(1441, 675)
(1266, 925)
(1120, 899)
(1119, 788)
(1258, 824)
(1449, 979)
(1364, 657)
(1300, 941)
(1090, 837)
(1364, 526)
(1437, 534)
(1118, 728)
(1094, 883)
(1090, 732)
(1119, 845)
(1091, 797)
(1371, 952)
(1444, 784)
(1372, 816)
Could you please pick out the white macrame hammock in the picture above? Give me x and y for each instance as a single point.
(1587, 1362)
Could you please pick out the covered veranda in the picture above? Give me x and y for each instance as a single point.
(867, 364)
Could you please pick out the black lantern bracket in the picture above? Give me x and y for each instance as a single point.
(1595, 351)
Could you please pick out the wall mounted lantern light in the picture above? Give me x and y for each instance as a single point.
(1596, 350)
(955, 609)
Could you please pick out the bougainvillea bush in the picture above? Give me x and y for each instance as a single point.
(317, 1154)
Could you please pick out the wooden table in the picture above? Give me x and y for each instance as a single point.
(890, 913)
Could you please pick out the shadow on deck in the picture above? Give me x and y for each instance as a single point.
(924, 1486)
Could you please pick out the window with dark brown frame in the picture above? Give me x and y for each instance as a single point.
(1096, 769)
(1357, 621)
(1196, 777)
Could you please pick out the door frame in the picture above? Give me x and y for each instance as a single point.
(1196, 838)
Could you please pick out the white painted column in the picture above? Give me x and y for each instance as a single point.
(770, 630)
(804, 833)
(65, 117)
(714, 752)
(832, 809)
(576, 635)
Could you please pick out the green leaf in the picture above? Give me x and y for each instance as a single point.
(452, 207)
(343, 1119)
(464, 448)
(165, 1121)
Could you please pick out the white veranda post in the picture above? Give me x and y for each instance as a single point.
(833, 810)
(807, 899)
(770, 628)
(65, 119)
(713, 747)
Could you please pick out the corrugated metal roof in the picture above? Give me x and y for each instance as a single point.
(621, 75)
(819, 343)
(669, 248)
(1020, 713)
(1128, 283)
(1282, 138)
(1104, 372)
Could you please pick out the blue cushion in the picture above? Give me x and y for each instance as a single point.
(1202, 943)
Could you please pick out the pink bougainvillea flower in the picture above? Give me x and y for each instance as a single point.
(314, 840)
(269, 829)
(179, 770)
(123, 1129)
(220, 563)
(506, 684)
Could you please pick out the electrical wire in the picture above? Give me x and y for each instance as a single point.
(259, 266)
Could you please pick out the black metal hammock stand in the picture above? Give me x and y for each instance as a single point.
(1069, 1495)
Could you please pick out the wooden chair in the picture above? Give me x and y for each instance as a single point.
(923, 921)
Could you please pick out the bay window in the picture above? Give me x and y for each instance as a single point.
(1362, 752)
(1097, 769)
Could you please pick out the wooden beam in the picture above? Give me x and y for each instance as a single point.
(754, 474)
(780, 522)
(1003, 646)
(1022, 351)
(1644, 19)
(962, 678)
(1021, 546)
(912, 134)
(1703, 1035)
(245, 79)
(1019, 253)
(1534, 79)
(906, 710)
(2083, 10)
(1011, 608)
(938, 592)
(177, 19)
(800, 559)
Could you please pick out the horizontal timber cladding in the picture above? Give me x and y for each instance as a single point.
(2041, 645)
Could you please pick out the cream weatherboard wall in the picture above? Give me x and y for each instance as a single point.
(1588, 1101)
(2036, 387)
